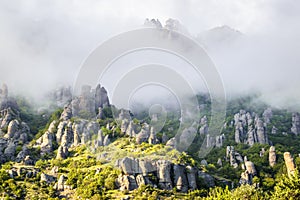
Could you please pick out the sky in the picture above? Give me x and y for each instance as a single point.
(44, 43)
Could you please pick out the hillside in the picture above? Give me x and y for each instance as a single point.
(89, 149)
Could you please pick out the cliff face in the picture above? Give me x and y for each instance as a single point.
(169, 175)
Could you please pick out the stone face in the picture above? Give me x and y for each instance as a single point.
(62, 152)
(60, 131)
(289, 162)
(180, 178)
(267, 115)
(192, 173)
(296, 123)
(127, 182)
(67, 113)
(143, 135)
(239, 133)
(124, 125)
(272, 156)
(13, 127)
(246, 178)
(261, 134)
(250, 167)
(152, 138)
(130, 131)
(230, 155)
(164, 177)
(101, 97)
(47, 140)
(135, 166)
(220, 140)
(250, 172)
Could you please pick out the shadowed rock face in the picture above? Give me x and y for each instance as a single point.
(180, 178)
(289, 162)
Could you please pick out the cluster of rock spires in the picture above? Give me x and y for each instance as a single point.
(235, 159)
(13, 131)
(211, 141)
(141, 133)
(251, 129)
(162, 173)
(170, 24)
(67, 132)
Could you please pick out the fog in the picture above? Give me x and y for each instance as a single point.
(44, 43)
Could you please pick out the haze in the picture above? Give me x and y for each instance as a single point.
(43, 43)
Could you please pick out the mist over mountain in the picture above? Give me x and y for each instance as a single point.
(254, 48)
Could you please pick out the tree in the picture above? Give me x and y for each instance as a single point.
(287, 187)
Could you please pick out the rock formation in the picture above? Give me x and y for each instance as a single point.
(272, 156)
(256, 131)
(250, 172)
(152, 23)
(289, 163)
(267, 115)
(180, 178)
(296, 124)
